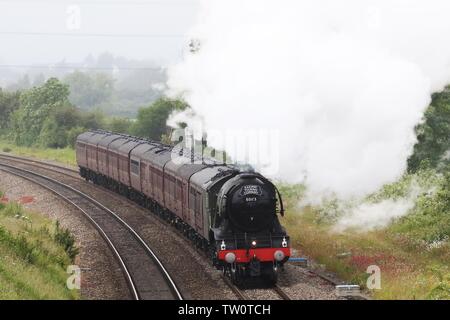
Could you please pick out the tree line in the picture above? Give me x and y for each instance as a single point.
(44, 116)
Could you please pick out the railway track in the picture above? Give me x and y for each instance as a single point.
(42, 164)
(72, 173)
(240, 294)
(281, 293)
(146, 276)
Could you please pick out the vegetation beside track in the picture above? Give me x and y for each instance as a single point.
(34, 255)
(413, 252)
(64, 156)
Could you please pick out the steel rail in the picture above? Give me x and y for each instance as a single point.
(129, 278)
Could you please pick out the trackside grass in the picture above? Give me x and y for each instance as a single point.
(34, 255)
(64, 156)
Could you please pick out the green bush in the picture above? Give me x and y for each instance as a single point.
(66, 239)
(72, 135)
(20, 245)
(52, 135)
(152, 121)
(429, 221)
(121, 125)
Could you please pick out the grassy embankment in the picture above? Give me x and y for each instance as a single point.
(34, 255)
(413, 252)
(64, 156)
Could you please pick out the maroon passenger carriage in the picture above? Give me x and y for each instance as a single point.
(229, 213)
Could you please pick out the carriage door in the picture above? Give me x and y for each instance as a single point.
(184, 202)
(198, 213)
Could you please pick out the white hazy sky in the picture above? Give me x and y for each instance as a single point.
(47, 31)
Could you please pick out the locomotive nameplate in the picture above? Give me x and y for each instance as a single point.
(251, 190)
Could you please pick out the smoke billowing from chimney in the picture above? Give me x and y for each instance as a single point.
(344, 82)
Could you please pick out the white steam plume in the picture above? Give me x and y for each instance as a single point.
(344, 82)
(373, 215)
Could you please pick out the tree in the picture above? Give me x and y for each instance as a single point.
(433, 135)
(9, 102)
(93, 120)
(57, 128)
(72, 135)
(52, 135)
(121, 125)
(36, 106)
(51, 94)
(151, 121)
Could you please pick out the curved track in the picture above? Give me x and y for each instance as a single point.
(146, 276)
(42, 164)
(240, 294)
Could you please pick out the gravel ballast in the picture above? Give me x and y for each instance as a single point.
(101, 277)
(191, 270)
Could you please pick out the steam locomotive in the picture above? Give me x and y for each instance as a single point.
(228, 212)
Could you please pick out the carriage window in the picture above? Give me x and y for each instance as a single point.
(135, 167)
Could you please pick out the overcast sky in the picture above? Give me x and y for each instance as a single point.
(47, 31)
